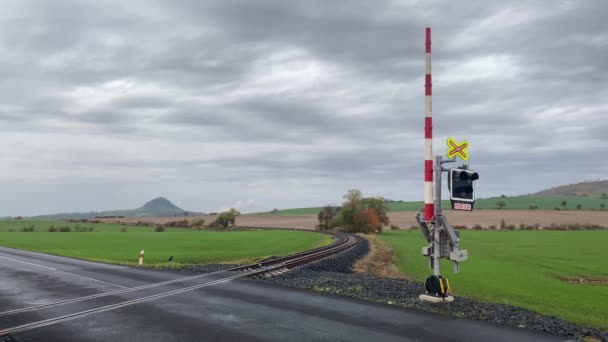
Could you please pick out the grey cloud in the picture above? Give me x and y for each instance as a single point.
(194, 66)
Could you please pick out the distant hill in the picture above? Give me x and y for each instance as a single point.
(581, 189)
(158, 207)
(585, 195)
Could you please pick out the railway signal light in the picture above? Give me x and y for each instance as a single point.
(461, 183)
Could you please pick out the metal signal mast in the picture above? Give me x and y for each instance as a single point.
(444, 241)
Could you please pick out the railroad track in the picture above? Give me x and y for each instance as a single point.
(268, 268)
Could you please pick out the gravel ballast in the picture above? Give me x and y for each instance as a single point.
(209, 268)
(334, 275)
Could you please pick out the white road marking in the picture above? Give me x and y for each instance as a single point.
(29, 263)
(54, 269)
(69, 317)
(93, 279)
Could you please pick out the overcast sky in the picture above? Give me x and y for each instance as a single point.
(263, 104)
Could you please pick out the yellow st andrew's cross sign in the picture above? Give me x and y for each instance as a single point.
(456, 149)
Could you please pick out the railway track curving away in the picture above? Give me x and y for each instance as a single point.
(21, 323)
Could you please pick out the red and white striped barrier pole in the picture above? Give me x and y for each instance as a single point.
(429, 206)
(141, 257)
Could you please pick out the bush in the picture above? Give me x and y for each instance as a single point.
(52, 229)
(414, 227)
(367, 222)
(477, 227)
(529, 226)
(28, 228)
(492, 227)
(65, 229)
(591, 227)
(503, 224)
(159, 228)
(394, 227)
(460, 227)
(225, 219)
(178, 224)
(556, 208)
(533, 207)
(124, 229)
(197, 222)
(336, 222)
(325, 216)
(78, 228)
(144, 224)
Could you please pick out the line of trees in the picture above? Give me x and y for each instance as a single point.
(356, 215)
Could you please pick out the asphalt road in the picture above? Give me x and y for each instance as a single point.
(234, 310)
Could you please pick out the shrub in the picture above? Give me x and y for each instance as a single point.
(591, 227)
(414, 227)
(555, 208)
(325, 216)
(11, 230)
(336, 222)
(197, 222)
(492, 227)
(462, 227)
(178, 224)
(79, 228)
(124, 229)
(367, 222)
(509, 227)
(159, 228)
(394, 227)
(225, 219)
(65, 229)
(52, 229)
(28, 228)
(503, 224)
(533, 207)
(477, 227)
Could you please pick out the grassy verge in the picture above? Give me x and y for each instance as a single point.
(523, 268)
(186, 247)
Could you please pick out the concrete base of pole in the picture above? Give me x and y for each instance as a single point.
(435, 299)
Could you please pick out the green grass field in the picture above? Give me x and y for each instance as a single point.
(522, 268)
(517, 202)
(108, 244)
(43, 225)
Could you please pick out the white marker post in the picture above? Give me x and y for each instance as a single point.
(141, 257)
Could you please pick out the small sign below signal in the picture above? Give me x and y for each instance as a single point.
(462, 206)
